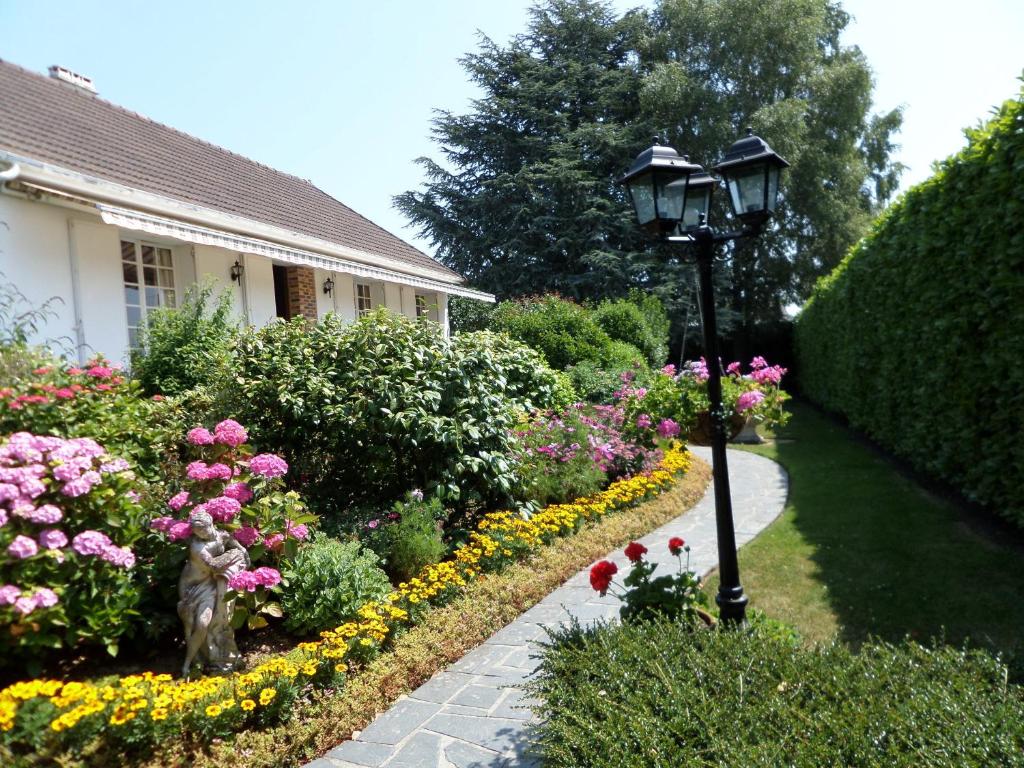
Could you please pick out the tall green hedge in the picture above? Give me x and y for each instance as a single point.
(917, 337)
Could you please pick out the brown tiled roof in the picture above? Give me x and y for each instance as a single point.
(44, 119)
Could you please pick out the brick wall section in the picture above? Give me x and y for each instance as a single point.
(301, 293)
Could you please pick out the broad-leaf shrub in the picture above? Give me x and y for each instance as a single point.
(68, 520)
(660, 695)
(408, 538)
(916, 336)
(624, 321)
(187, 346)
(367, 410)
(327, 581)
(566, 333)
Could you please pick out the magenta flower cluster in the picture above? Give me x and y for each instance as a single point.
(229, 432)
(248, 581)
(749, 400)
(42, 597)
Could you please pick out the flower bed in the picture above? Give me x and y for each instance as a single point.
(47, 716)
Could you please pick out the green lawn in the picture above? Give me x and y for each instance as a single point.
(861, 551)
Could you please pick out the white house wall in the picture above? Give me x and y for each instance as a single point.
(259, 289)
(97, 250)
(215, 264)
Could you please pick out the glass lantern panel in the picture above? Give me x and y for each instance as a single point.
(641, 189)
(696, 203)
(773, 187)
(671, 193)
(746, 188)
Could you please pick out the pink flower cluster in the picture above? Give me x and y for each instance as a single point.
(229, 432)
(97, 544)
(176, 530)
(749, 400)
(248, 581)
(268, 465)
(43, 597)
(698, 369)
(200, 471)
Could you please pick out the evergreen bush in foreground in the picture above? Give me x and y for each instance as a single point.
(661, 695)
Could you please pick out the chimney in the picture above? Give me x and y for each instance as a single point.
(65, 75)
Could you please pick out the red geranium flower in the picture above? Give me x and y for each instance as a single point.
(635, 550)
(675, 545)
(601, 575)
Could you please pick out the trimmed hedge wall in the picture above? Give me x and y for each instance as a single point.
(917, 337)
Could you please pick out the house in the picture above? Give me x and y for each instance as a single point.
(117, 215)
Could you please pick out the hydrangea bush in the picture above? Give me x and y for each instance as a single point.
(69, 515)
(245, 496)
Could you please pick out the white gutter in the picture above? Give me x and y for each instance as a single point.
(79, 184)
(11, 173)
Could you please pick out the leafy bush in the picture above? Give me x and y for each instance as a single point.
(564, 332)
(593, 383)
(69, 516)
(468, 314)
(625, 322)
(408, 539)
(188, 346)
(660, 695)
(657, 320)
(555, 459)
(328, 580)
(916, 336)
(365, 410)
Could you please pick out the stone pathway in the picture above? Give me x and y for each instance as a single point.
(473, 714)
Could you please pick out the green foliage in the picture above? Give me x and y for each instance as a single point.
(660, 695)
(408, 538)
(565, 393)
(554, 462)
(364, 410)
(677, 597)
(563, 331)
(916, 336)
(523, 199)
(327, 581)
(188, 346)
(468, 314)
(593, 383)
(625, 322)
(658, 323)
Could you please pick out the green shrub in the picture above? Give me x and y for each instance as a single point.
(328, 580)
(657, 320)
(555, 463)
(624, 321)
(468, 314)
(564, 332)
(660, 695)
(188, 346)
(362, 411)
(408, 538)
(916, 337)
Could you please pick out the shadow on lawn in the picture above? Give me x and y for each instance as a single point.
(896, 560)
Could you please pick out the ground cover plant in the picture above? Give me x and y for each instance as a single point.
(921, 322)
(861, 551)
(657, 694)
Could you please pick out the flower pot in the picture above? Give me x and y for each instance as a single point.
(748, 435)
(701, 433)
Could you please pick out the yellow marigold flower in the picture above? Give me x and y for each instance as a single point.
(213, 710)
(248, 705)
(159, 713)
(267, 695)
(309, 669)
(341, 667)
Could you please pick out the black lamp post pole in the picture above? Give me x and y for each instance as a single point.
(732, 603)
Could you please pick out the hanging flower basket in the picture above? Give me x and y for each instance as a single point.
(700, 434)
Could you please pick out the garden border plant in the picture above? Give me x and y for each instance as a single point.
(49, 716)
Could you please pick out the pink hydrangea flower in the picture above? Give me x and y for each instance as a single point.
(22, 547)
(8, 594)
(243, 582)
(299, 531)
(24, 605)
(162, 524)
(82, 485)
(119, 556)
(9, 491)
(114, 465)
(218, 472)
(45, 598)
(273, 542)
(230, 432)
(178, 500)
(196, 470)
(91, 543)
(223, 508)
(200, 436)
(748, 400)
(52, 538)
(247, 535)
(668, 428)
(48, 514)
(239, 491)
(268, 577)
(268, 465)
(179, 530)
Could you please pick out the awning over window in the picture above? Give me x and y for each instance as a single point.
(193, 233)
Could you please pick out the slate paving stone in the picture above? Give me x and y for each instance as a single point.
(475, 713)
(398, 722)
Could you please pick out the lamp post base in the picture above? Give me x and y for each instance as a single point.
(732, 605)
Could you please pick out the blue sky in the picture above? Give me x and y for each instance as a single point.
(342, 93)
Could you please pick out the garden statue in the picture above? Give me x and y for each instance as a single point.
(213, 557)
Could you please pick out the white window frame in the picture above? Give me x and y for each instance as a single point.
(148, 297)
(364, 299)
(422, 309)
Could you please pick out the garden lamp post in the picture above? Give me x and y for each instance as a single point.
(672, 199)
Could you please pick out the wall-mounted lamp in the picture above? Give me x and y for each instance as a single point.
(236, 272)
(329, 287)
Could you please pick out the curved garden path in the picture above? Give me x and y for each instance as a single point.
(473, 714)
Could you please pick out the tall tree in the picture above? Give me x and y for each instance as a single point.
(524, 198)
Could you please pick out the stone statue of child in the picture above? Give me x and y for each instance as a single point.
(213, 557)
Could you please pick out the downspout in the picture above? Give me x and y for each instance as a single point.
(76, 293)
